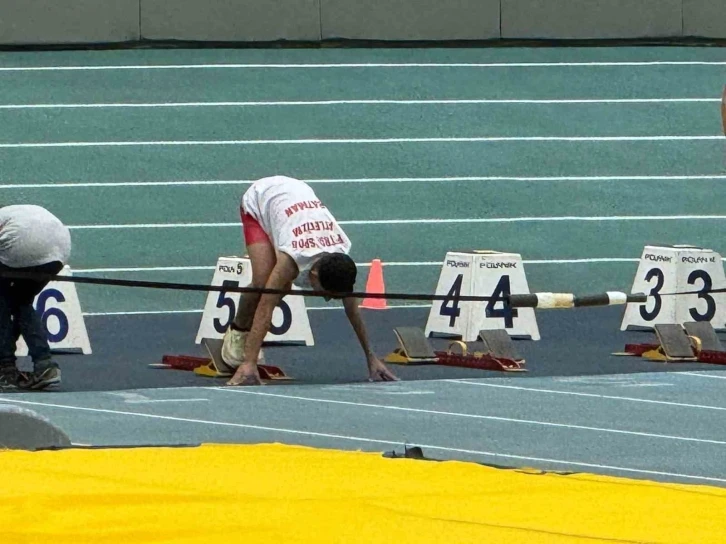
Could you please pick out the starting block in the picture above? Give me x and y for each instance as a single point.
(690, 342)
(493, 350)
(214, 366)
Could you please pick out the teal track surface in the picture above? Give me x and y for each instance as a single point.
(574, 158)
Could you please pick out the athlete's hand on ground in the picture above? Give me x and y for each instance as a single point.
(246, 375)
(378, 372)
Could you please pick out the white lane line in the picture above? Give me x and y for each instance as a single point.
(450, 179)
(698, 375)
(367, 440)
(371, 102)
(336, 141)
(185, 268)
(143, 312)
(172, 312)
(154, 401)
(584, 261)
(472, 416)
(143, 269)
(367, 222)
(137, 398)
(228, 66)
(589, 395)
(362, 265)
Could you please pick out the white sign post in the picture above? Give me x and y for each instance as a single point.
(677, 269)
(62, 317)
(290, 321)
(486, 274)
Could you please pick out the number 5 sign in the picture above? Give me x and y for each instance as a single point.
(289, 320)
(677, 269)
(62, 318)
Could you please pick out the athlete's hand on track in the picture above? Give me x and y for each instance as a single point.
(245, 375)
(378, 371)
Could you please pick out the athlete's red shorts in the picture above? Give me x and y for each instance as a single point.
(253, 231)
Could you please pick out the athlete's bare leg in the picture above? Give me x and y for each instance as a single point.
(262, 258)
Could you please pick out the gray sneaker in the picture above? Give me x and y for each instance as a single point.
(9, 377)
(46, 375)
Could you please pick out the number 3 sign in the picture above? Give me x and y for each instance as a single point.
(677, 269)
(289, 321)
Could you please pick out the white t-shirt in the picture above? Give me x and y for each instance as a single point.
(32, 236)
(295, 220)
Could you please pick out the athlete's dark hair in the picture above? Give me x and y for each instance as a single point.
(337, 272)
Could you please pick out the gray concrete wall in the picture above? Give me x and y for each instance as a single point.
(705, 18)
(584, 19)
(230, 20)
(68, 21)
(410, 19)
(113, 21)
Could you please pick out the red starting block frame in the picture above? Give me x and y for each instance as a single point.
(691, 342)
(205, 367)
(480, 362)
(213, 366)
(639, 349)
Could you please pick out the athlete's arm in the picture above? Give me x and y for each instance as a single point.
(376, 369)
(281, 277)
(353, 313)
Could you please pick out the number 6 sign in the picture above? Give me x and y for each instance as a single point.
(289, 321)
(62, 318)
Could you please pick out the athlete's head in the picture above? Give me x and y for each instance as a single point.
(334, 272)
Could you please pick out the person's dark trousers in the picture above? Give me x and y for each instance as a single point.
(17, 316)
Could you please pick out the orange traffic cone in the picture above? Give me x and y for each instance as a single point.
(375, 285)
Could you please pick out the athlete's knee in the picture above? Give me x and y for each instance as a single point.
(259, 280)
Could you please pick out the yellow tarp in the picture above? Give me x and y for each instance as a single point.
(289, 494)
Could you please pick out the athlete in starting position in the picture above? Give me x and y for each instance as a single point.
(291, 238)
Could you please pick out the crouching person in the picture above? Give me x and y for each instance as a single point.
(31, 240)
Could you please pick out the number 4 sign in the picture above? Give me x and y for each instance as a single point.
(289, 321)
(481, 273)
(677, 269)
(62, 318)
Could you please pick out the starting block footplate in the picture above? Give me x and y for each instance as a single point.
(413, 348)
